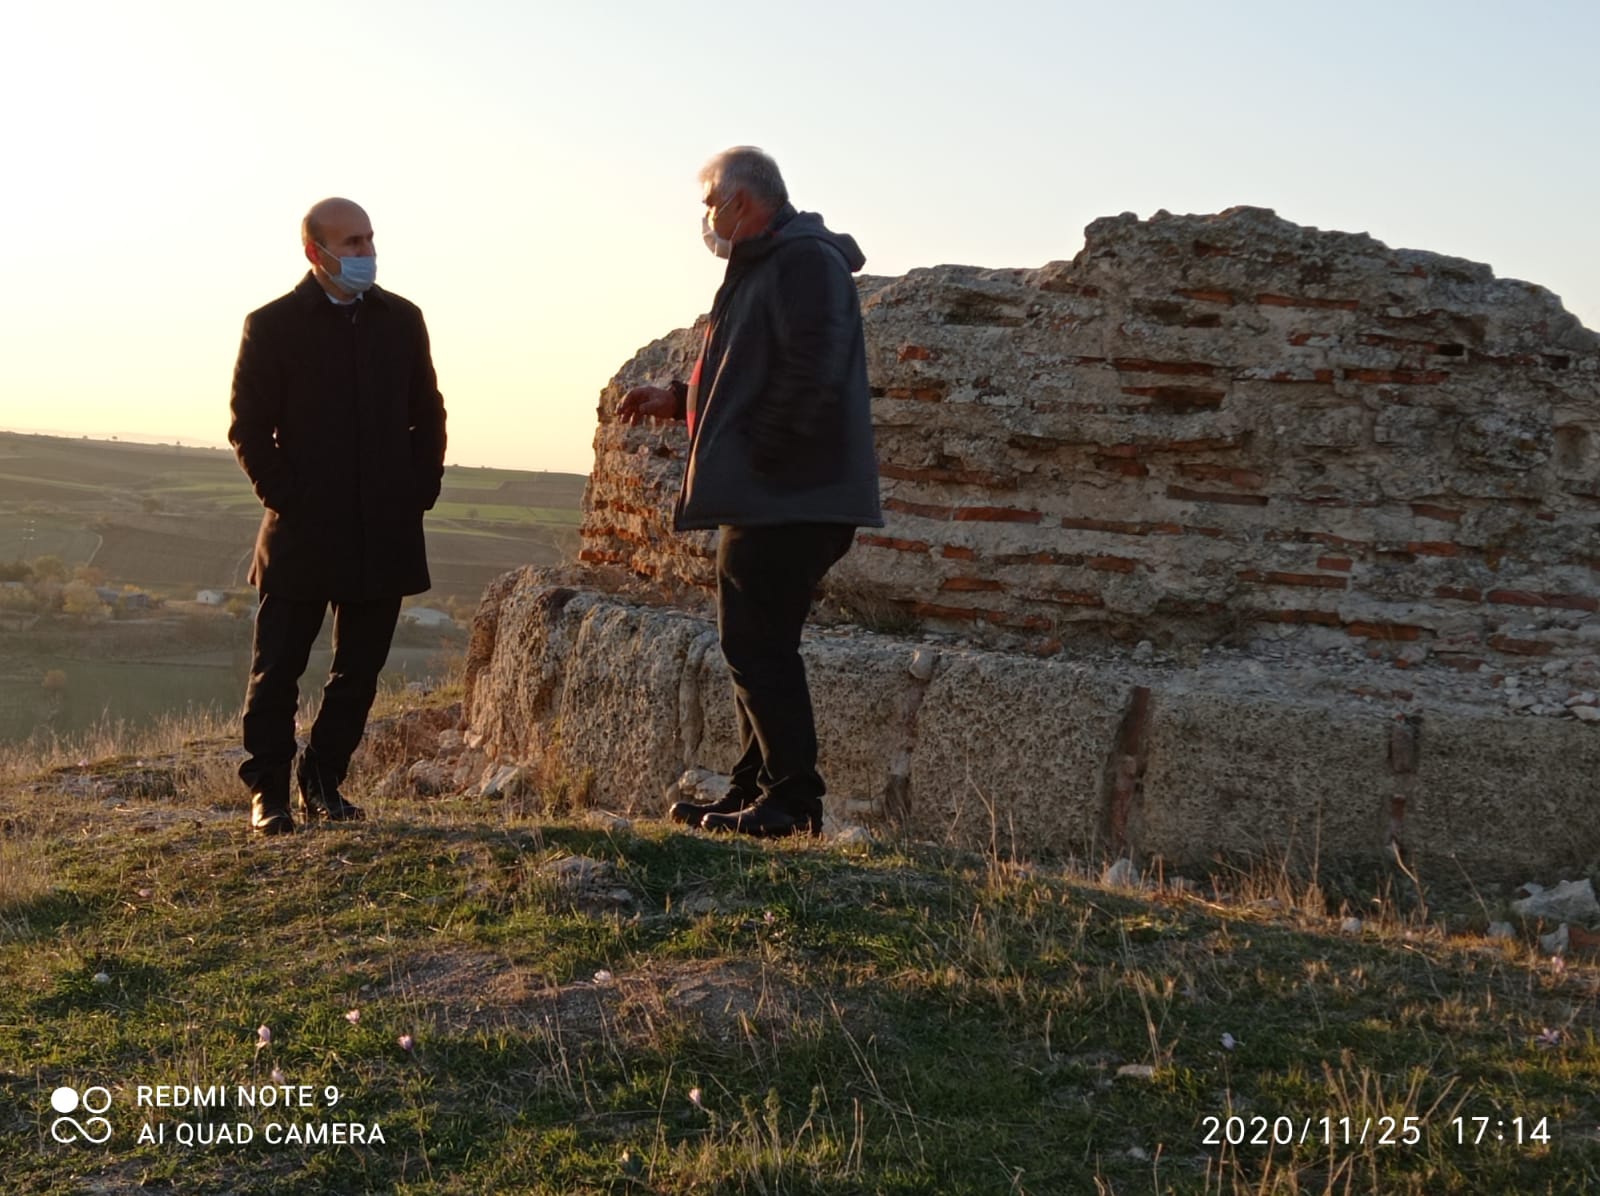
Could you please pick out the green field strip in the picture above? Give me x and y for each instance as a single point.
(501, 513)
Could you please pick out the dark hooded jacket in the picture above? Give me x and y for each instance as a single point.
(338, 421)
(780, 418)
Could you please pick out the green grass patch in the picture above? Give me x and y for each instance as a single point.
(534, 1005)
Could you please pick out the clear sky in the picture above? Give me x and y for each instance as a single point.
(530, 168)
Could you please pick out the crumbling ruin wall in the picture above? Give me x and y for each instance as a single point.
(1341, 501)
(1202, 428)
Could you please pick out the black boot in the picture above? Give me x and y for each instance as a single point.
(766, 819)
(691, 812)
(269, 806)
(320, 796)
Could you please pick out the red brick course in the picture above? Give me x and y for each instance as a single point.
(1184, 494)
(892, 542)
(1303, 301)
(971, 583)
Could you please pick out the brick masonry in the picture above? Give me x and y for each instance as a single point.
(1201, 428)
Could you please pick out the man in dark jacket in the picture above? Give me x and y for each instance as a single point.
(338, 421)
(781, 461)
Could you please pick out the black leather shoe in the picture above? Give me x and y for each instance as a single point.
(269, 810)
(320, 796)
(766, 820)
(691, 812)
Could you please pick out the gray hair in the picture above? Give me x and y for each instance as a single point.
(749, 168)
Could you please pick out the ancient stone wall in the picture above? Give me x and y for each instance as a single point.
(1203, 428)
(1085, 753)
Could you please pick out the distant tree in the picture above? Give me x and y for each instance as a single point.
(55, 681)
(15, 571)
(49, 568)
(83, 599)
(92, 574)
(150, 504)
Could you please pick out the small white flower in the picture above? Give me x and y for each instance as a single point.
(277, 1075)
(1229, 1042)
(353, 1017)
(602, 977)
(407, 1042)
(145, 893)
(102, 978)
(694, 1098)
(263, 1036)
(1549, 1037)
(769, 917)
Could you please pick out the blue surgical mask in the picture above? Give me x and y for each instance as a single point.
(356, 274)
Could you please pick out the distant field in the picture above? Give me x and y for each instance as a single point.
(168, 517)
(506, 513)
(163, 560)
(27, 536)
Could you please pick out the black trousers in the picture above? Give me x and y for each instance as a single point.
(285, 630)
(766, 577)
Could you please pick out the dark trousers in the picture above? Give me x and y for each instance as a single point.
(285, 630)
(766, 577)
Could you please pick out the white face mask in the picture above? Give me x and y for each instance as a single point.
(719, 245)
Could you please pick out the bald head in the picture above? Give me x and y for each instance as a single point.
(314, 226)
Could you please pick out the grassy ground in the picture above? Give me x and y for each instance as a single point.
(687, 1015)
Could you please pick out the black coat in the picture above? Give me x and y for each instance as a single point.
(779, 410)
(338, 421)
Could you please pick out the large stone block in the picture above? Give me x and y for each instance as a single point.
(1013, 751)
(1230, 773)
(619, 735)
(1498, 794)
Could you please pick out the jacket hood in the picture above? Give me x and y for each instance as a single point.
(789, 225)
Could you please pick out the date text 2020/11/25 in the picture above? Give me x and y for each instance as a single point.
(1402, 1131)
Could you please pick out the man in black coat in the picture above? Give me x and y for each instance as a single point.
(781, 461)
(338, 422)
